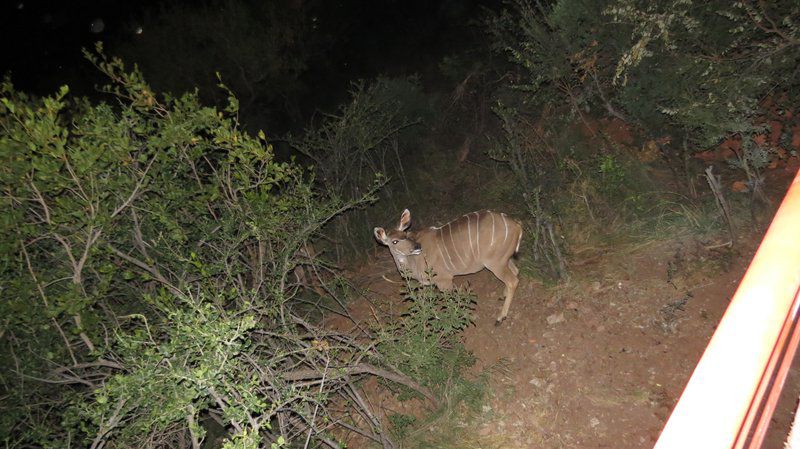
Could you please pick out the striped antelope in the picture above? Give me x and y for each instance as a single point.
(466, 245)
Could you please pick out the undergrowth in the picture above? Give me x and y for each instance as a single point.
(424, 342)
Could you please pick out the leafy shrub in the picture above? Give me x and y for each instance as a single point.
(534, 167)
(148, 251)
(640, 62)
(359, 143)
(425, 341)
(564, 51)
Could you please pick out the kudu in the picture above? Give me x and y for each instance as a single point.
(466, 245)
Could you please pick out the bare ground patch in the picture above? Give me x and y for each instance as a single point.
(600, 360)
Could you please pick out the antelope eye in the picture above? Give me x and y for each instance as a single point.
(394, 242)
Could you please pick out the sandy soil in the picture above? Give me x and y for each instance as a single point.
(600, 360)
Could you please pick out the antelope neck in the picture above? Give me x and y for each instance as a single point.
(412, 253)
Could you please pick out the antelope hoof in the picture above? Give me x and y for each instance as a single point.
(499, 320)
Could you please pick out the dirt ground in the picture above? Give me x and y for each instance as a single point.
(600, 360)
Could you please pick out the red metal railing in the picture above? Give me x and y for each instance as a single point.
(734, 388)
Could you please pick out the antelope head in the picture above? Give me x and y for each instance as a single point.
(401, 243)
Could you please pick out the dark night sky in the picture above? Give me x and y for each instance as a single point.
(43, 38)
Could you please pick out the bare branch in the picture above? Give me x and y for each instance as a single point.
(41, 201)
(150, 269)
(191, 424)
(46, 304)
(99, 363)
(112, 422)
(135, 191)
(362, 368)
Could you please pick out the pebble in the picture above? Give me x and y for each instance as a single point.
(536, 382)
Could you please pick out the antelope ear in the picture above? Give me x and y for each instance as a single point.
(380, 234)
(405, 220)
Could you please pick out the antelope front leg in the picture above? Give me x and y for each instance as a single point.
(444, 283)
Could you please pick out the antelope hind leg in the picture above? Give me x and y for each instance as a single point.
(508, 274)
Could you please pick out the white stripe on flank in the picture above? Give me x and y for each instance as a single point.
(441, 239)
(441, 254)
(472, 246)
(478, 232)
(469, 234)
(492, 242)
(506, 223)
(455, 248)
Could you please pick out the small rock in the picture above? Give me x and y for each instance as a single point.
(594, 422)
(536, 382)
(555, 318)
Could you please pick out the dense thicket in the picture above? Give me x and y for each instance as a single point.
(684, 76)
(150, 255)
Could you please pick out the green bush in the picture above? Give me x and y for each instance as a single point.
(149, 247)
(564, 50)
(424, 341)
(641, 62)
(361, 142)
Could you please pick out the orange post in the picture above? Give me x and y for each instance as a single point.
(730, 378)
